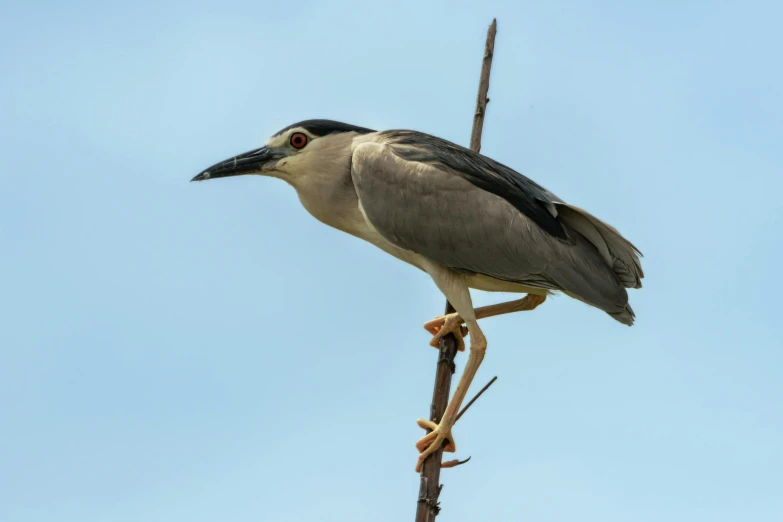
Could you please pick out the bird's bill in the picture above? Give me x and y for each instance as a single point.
(253, 162)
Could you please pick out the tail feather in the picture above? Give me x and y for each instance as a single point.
(618, 253)
(626, 316)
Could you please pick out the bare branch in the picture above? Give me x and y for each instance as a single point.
(428, 506)
(482, 100)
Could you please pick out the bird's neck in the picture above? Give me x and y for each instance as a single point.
(330, 200)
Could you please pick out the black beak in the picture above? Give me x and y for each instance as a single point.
(253, 162)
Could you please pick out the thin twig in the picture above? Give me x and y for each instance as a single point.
(482, 390)
(428, 507)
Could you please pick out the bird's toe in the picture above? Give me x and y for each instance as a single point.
(430, 443)
(446, 324)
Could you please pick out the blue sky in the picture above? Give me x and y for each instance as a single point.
(173, 351)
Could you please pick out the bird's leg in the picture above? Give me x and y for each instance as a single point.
(527, 303)
(452, 323)
(442, 431)
(453, 285)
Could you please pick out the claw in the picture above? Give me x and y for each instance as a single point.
(454, 463)
(430, 443)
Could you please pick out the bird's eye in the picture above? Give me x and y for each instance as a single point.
(298, 140)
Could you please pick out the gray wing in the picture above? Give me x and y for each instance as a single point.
(429, 209)
(527, 196)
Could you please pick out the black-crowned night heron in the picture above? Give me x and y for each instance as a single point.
(466, 220)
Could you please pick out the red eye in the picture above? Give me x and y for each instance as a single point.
(298, 140)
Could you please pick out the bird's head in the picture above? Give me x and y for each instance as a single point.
(291, 152)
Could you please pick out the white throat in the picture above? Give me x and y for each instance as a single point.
(321, 175)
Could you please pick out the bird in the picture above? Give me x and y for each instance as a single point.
(465, 219)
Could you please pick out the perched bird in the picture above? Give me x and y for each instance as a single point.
(465, 219)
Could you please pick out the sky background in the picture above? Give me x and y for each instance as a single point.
(207, 352)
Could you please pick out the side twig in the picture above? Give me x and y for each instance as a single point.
(482, 390)
(428, 507)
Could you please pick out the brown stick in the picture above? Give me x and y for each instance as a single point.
(427, 507)
(482, 100)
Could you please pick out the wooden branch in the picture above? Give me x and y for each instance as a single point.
(427, 507)
(482, 100)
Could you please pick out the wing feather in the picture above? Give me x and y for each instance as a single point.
(524, 194)
(447, 219)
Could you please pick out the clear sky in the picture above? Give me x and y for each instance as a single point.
(207, 352)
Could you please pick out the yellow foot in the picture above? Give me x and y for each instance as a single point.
(430, 443)
(444, 324)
